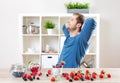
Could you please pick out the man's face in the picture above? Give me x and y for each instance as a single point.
(72, 23)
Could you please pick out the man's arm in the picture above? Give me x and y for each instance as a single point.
(88, 27)
(65, 30)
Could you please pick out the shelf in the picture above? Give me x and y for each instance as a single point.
(50, 35)
(50, 53)
(31, 54)
(36, 47)
(91, 54)
(31, 35)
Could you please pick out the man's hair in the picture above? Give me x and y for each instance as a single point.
(80, 18)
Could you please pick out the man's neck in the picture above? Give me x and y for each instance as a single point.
(74, 33)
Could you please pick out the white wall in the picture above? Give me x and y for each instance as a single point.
(109, 27)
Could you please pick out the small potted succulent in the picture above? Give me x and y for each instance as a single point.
(49, 25)
(77, 7)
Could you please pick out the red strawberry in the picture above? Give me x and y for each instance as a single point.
(101, 76)
(76, 78)
(87, 77)
(49, 72)
(72, 74)
(109, 75)
(102, 72)
(29, 76)
(94, 76)
(79, 72)
(65, 74)
(40, 73)
(67, 77)
(53, 79)
(80, 76)
(62, 63)
(94, 73)
(24, 76)
(87, 71)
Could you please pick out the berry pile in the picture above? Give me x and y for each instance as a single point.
(35, 74)
(79, 75)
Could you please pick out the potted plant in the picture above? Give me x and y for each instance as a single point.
(49, 25)
(77, 7)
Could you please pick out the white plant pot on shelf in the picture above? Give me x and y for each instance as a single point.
(50, 31)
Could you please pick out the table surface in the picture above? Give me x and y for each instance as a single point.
(6, 77)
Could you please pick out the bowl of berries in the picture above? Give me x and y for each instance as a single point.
(17, 70)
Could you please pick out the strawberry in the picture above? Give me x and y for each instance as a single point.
(65, 74)
(101, 76)
(67, 77)
(76, 78)
(109, 75)
(79, 72)
(80, 76)
(87, 71)
(24, 76)
(94, 76)
(94, 73)
(40, 73)
(29, 76)
(53, 79)
(102, 72)
(72, 74)
(49, 72)
(62, 63)
(87, 76)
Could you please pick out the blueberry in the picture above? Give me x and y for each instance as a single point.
(24, 79)
(82, 79)
(38, 78)
(82, 73)
(92, 79)
(70, 80)
(47, 75)
(75, 74)
(31, 79)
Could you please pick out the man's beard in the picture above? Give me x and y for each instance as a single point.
(72, 29)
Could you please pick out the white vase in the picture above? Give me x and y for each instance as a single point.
(50, 31)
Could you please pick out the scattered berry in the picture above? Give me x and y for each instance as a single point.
(49, 72)
(82, 79)
(53, 79)
(101, 76)
(102, 72)
(75, 74)
(92, 79)
(38, 78)
(25, 79)
(67, 77)
(62, 63)
(31, 79)
(70, 80)
(47, 75)
(76, 78)
(87, 77)
(72, 74)
(109, 75)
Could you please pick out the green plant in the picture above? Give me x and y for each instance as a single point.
(77, 5)
(49, 25)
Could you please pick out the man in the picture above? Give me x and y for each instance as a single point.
(77, 33)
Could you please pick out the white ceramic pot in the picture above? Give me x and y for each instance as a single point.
(50, 31)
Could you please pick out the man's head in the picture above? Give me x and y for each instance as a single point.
(76, 22)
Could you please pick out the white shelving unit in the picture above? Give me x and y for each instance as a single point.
(34, 43)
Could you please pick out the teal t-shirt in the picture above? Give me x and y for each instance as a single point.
(74, 48)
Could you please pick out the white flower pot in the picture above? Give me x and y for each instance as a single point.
(77, 10)
(50, 31)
